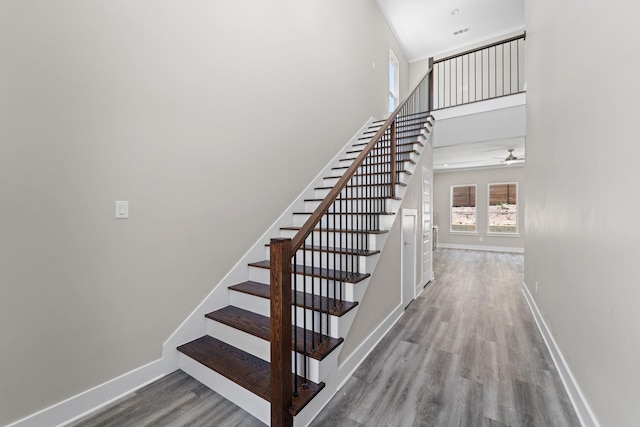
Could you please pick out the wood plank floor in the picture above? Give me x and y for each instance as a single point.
(467, 352)
(176, 400)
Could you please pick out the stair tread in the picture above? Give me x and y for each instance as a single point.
(300, 299)
(422, 114)
(382, 154)
(338, 230)
(357, 198)
(260, 326)
(344, 251)
(411, 126)
(405, 144)
(368, 174)
(244, 369)
(324, 273)
(399, 144)
(400, 134)
(401, 184)
(347, 213)
(375, 164)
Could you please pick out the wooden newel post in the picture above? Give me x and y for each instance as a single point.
(393, 159)
(430, 101)
(281, 335)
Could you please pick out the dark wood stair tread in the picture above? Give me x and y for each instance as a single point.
(356, 198)
(338, 230)
(300, 299)
(404, 126)
(383, 154)
(323, 273)
(349, 213)
(400, 134)
(401, 184)
(244, 369)
(368, 174)
(376, 164)
(414, 116)
(259, 326)
(402, 145)
(342, 251)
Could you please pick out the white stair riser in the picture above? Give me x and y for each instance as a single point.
(412, 156)
(322, 287)
(358, 147)
(361, 191)
(255, 405)
(259, 347)
(334, 328)
(377, 205)
(330, 181)
(401, 164)
(373, 221)
(331, 239)
(337, 262)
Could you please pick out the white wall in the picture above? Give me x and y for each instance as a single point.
(442, 182)
(204, 115)
(583, 242)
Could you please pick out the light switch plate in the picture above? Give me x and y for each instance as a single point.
(122, 209)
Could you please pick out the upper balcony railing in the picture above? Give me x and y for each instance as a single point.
(487, 72)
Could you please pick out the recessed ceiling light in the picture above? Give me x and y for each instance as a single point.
(445, 165)
(455, 11)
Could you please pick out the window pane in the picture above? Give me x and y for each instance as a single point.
(392, 77)
(463, 208)
(503, 208)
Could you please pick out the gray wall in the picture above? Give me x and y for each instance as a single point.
(583, 240)
(193, 111)
(442, 183)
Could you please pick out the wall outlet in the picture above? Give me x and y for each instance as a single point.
(536, 286)
(480, 238)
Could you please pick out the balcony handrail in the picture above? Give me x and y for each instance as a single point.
(522, 36)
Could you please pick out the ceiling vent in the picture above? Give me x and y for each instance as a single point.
(464, 30)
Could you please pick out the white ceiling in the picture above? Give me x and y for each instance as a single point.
(425, 28)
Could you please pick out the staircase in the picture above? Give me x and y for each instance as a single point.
(331, 247)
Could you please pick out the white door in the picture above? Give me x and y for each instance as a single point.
(408, 255)
(427, 228)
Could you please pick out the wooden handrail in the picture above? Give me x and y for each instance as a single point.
(310, 224)
(487, 46)
(281, 253)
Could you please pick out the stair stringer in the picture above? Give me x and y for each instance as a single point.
(343, 372)
(195, 325)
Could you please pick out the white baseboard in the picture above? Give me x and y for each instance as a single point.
(81, 404)
(580, 404)
(349, 366)
(481, 248)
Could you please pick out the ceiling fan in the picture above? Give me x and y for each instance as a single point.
(511, 158)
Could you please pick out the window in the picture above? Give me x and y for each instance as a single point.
(503, 208)
(463, 208)
(394, 82)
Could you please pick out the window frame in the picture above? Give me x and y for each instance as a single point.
(463, 232)
(515, 233)
(394, 93)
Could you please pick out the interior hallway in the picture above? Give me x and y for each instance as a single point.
(467, 352)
